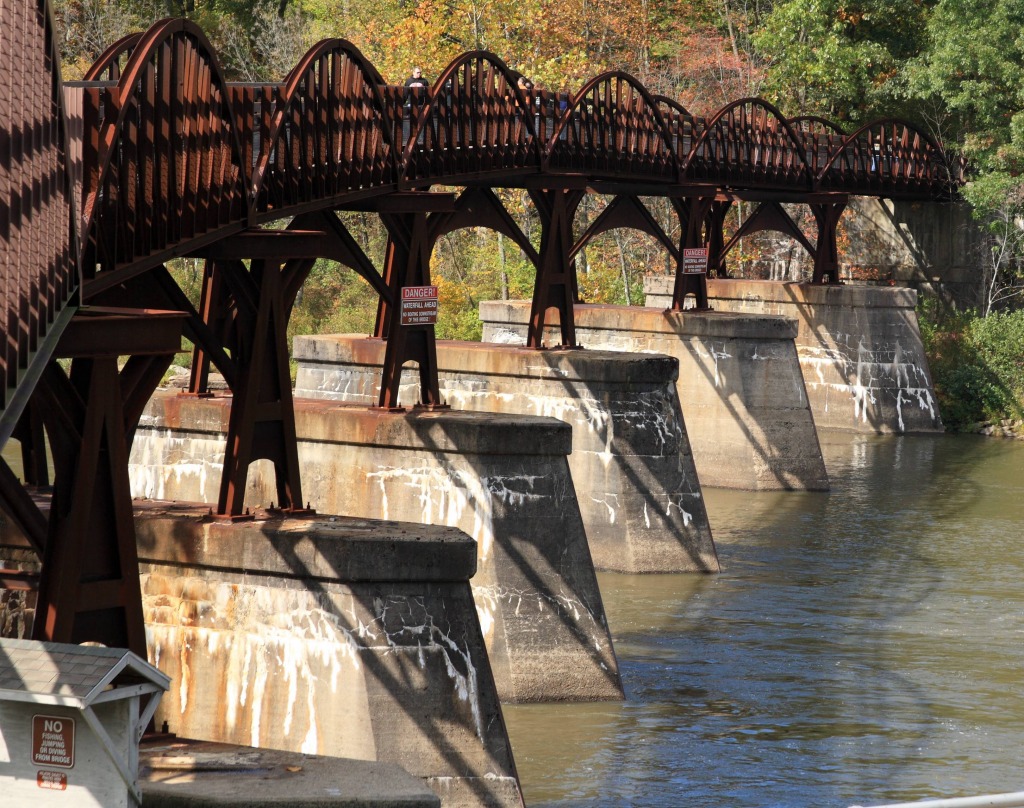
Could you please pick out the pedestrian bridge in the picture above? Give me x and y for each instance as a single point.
(155, 155)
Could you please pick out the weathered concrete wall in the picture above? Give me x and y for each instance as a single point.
(631, 463)
(859, 346)
(740, 388)
(336, 637)
(503, 480)
(934, 247)
(332, 636)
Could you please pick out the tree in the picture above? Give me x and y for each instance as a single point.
(973, 67)
(838, 58)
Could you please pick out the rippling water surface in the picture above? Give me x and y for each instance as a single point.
(861, 646)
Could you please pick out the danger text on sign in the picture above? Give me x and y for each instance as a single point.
(53, 741)
(695, 260)
(419, 305)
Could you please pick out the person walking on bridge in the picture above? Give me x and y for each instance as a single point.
(416, 84)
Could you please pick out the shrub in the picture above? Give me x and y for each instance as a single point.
(976, 363)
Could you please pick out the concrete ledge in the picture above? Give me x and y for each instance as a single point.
(860, 349)
(393, 671)
(631, 464)
(358, 550)
(503, 479)
(740, 388)
(199, 774)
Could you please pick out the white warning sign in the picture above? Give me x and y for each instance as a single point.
(695, 260)
(419, 305)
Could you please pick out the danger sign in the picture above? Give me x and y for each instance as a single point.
(695, 260)
(53, 741)
(419, 305)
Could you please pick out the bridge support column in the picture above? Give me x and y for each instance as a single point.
(262, 414)
(89, 585)
(555, 287)
(406, 263)
(826, 253)
(694, 218)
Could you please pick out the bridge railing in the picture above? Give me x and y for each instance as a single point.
(613, 128)
(889, 157)
(748, 143)
(330, 135)
(474, 121)
(174, 154)
(38, 235)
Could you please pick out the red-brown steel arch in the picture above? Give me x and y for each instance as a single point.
(330, 136)
(180, 179)
(111, 62)
(613, 128)
(887, 157)
(474, 121)
(748, 143)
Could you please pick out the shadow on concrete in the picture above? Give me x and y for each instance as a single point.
(762, 444)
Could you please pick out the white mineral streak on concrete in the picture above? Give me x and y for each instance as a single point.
(505, 336)
(445, 492)
(466, 685)
(611, 507)
(485, 613)
(715, 355)
(275, 640)
(546, 371)
(333, 383)
(884, 370)
(567, 603)
(652, 417)
(579, 412)
(149, 468)
(676, 501)
(647, 516)
(474, 396)
(186, 673)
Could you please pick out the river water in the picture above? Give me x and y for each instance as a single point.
(861, 646)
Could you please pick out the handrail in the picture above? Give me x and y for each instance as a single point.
(1013, 799)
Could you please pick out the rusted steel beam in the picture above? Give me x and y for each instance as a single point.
(626, 211)
(262, 422)
(112, 331)
(89, 583)
(406, 264)
(770, 216)
(826, 252)
(266, 244)
(555, 285)
(22, 509)
(408, 202)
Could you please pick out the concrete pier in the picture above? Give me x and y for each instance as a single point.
(742, 394)
(504, 480)
(329, 636)
(859, 346)
(631, 463)
(339, 637)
